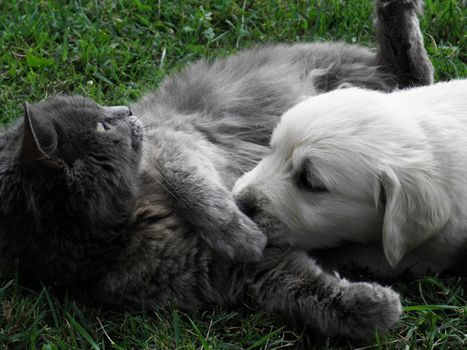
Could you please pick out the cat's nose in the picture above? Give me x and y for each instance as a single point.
(118, 111)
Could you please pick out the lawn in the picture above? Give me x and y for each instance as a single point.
(115, 50)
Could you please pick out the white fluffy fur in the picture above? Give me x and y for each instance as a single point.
(411, 143)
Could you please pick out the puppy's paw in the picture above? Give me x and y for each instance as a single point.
(368, 308)
(238, 237)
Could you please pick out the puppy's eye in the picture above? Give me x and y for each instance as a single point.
(102, 127)
(308, 182)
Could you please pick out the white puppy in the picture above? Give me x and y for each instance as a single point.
(365, 167)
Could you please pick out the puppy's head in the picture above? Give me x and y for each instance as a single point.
(347, 166)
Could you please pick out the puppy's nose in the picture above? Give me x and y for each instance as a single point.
(247, 205)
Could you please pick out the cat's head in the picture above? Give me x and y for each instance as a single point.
(68, 178)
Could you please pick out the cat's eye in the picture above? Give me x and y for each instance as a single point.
(307, 181)
(102, 127)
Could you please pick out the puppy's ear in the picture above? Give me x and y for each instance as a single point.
(416, 208)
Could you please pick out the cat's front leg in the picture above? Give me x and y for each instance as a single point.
(292, 284)
(400, 42)
(198, 193)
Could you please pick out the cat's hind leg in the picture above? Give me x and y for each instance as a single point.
(290, 283)
(400, 42)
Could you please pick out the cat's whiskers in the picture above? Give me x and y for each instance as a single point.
(263, 131)
(145, 138)
(164, 187)
(151, 124)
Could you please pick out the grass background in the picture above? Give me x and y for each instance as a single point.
(115, 50)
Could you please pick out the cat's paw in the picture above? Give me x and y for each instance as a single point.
(393, 8)
(367, 308)
(238, 238)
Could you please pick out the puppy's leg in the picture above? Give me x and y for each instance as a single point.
(400, 42)
(291, 284)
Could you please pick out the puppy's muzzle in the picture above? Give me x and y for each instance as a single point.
(247, 203)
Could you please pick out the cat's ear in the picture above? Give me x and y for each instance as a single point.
(32, 153)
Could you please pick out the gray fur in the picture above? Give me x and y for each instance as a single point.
(133, 233)
(400, 41)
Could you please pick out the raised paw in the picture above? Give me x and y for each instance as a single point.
(368, 307)
(393, 8)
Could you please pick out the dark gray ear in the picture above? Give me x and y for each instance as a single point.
(31, 152)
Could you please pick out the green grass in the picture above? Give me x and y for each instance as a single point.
(115, 50)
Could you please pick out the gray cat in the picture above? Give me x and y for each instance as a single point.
(137, 212)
